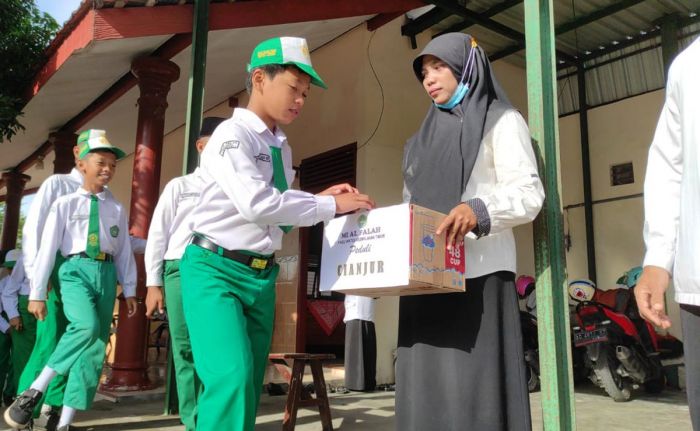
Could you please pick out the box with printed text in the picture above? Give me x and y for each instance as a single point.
(390, 251)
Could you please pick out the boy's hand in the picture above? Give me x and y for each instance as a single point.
(338, 189)
(348, 202)
(459, 222)
(16, 323)
(132, 304)
(154, 301)
(37, 308)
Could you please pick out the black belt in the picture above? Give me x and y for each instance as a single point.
(255, 262)
(104, 257)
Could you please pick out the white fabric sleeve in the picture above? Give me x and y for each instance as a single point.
(519, 194)
(233, 167)
(124, 259)
(34, 223)
(13, 284)
(662, 185)
(159, 235)
(53, 232)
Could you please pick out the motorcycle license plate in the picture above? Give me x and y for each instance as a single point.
(581, 338)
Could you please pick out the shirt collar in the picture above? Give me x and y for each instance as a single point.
(76, 175)
(104, 194)
(257, 124)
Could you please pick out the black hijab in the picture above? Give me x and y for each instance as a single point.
(439, 158)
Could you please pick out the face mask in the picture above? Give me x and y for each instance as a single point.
(463, 87)
(456, 98)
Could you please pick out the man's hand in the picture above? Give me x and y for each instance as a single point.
(338, 189)
(154, 301)
(16, 323)
(459, 222)
(131, 304)
(649, 293)
(348, 202)
(38, 309)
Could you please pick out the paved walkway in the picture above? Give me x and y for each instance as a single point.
(375, 411)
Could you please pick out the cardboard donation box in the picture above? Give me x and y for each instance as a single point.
(390, 251)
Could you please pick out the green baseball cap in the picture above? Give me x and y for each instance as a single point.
(11, 258)
(285, 50)
(96, 139)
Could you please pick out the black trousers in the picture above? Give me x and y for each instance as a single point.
(360, 355)
(690, 319)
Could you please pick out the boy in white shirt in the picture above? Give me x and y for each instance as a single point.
(7, 382)
(229, 269)
(168, 236)
(89, 228)
(15, 302)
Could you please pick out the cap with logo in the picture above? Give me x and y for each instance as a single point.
(95, 139)
(11, 258)
(285, 50)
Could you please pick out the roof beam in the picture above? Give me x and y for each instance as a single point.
(492, 25)
(490, 12)
(167, 20)
(424, 22)
(574, 24)
(596, 15)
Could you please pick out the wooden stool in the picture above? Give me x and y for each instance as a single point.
(297, 396)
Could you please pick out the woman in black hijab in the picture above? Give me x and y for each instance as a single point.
(460, 358)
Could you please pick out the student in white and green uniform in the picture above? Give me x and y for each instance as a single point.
(50, 330)
(8, 386)
(15, 300)
(168, 236)
(88, 228)
(229, 271)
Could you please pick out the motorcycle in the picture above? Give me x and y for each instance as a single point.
(621, 348)
(525, 287)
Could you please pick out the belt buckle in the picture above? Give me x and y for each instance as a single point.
(101, 256)
(258, 263)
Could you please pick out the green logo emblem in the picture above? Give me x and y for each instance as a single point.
(362, 221)
(114, 231)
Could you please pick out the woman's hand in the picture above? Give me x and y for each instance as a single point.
(459, 222)
(154, 301)
(37, 308)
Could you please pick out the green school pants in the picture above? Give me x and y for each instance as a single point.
(48, 332)
(229, 309)
(22, 341)
(188, 385)
(88, 291)
(6, 380)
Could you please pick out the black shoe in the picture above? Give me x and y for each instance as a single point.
(19, 414)
(47, 420)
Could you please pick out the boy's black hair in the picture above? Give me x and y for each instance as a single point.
(271, 70)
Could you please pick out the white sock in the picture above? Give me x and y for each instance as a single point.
(67, 415)
(42, 382)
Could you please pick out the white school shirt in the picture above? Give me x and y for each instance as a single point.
(672, 184)
(358, 308)
(66, 231)
(170, 229)
(51, 189)
(4, 324)
(239, 208)
(505, 178)
(16, 284)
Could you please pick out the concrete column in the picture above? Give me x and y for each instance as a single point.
(14, 184)
(63, 143)
(155, 76)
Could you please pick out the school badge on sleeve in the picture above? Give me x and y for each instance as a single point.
(114, 231)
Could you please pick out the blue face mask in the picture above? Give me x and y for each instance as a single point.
(456, 98)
